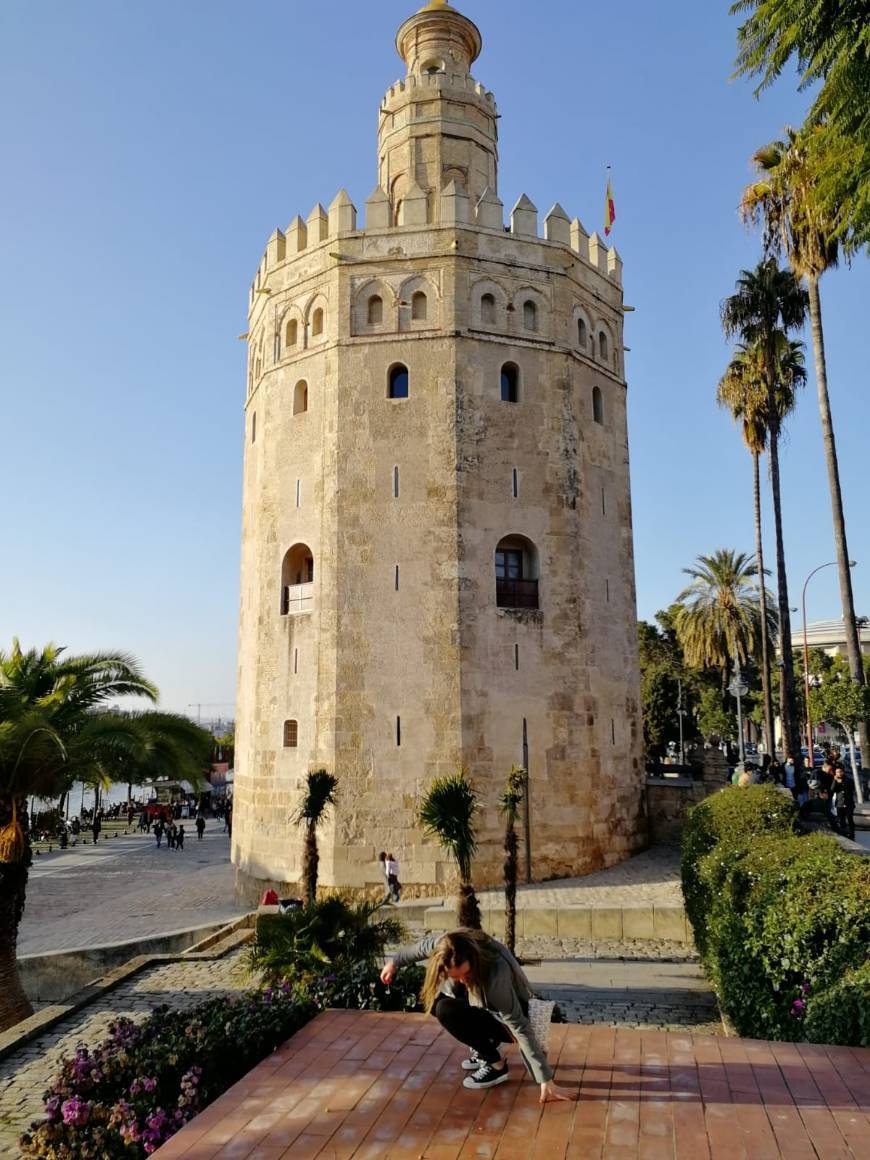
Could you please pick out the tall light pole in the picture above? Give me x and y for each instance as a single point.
(830, 564)
(738, 689)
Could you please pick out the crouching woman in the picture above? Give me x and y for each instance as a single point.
(477, 991)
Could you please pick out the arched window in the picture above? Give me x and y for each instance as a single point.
(487, 310)
(300, 397)
(432, 67)
(516, 573)
(317, 322)
(603, 346)
(297, 574)
(582, 334)
(419, 306)
(291, 333)
(398, 382)
(254, 427)
(510, 383)
(376, 310)
(597, 405)
(291, 734)
(530, 315)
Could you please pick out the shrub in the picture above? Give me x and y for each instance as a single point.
(842, 1013)
(718, 831)
(142, 1084)
(780, 919)
(793, 916)
(330, 937)
(360, 988)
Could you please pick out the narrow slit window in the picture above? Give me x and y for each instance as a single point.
(398, 731)
(395, 483)
(607, 591)
(397, 577)
(612, 731)
(597, 405)
(603, 503)
(298, 492)
(419, 307)
(254, 427)
(515, 484)
(295, 660)
(398, 382)
(517, 657)
(510, 383)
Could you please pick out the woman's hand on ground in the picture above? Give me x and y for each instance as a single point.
(550, 1091)
(389, 972)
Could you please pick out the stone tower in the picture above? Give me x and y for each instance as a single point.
(436, 543)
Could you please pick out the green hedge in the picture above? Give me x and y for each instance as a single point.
(780, 919)
(842, 1013)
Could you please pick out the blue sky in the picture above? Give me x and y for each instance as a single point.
(148, 151)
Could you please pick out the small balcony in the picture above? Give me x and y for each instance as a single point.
(298, 598)
(516, 593)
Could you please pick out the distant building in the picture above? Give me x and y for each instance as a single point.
(830, 636)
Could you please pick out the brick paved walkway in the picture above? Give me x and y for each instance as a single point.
(25, 1075)
(373, 1086)
(126, 888)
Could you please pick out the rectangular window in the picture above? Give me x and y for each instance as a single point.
(515, 484)
(509, 564)
(398, 731)
(291, 734)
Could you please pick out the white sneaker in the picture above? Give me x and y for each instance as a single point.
(487, 1075)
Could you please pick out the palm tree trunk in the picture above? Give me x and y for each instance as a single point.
(511, 846)
(847, 600)
(469, 908)
(14, 1004)
(762, 601)
(310, 858)
(788, 716)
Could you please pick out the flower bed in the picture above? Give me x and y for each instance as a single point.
(127, 1096)
(781, 920)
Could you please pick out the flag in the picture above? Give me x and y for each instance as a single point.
(609, 208)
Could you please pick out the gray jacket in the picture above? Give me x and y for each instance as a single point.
(505, 993)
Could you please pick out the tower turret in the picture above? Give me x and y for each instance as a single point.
(438, 125)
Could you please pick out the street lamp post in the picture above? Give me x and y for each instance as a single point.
(809, 721)
(738, 689)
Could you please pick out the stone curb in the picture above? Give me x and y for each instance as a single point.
(214, 947)
(579, 922)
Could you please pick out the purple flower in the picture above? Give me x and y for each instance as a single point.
(75, 1111)
(149, 1084)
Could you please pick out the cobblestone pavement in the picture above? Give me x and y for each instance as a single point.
(125, 888)
(25, 1075)
(652, 877)
(647, 950)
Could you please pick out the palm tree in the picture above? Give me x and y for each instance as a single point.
(319, 796)
(447, 813)
(785, 201)
(718, 615)
(769, 301)
(743, 390)
(56, 727)
(510, 806)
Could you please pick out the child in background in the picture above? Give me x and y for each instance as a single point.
(393, 884)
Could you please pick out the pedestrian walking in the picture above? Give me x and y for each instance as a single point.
(395, 887)
(96, 826)
(229, 821)
(158, 831)
(200, 826)
(477, 991)
(179, 838)
(171, 832)
(382, 858)
(843, 803)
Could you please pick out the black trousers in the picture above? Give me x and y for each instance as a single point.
(473, 1026)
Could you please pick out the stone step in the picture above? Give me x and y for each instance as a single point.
(579, 922)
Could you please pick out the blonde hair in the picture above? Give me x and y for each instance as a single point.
(457, 947)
